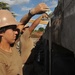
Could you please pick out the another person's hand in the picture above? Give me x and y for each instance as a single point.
(39, 9)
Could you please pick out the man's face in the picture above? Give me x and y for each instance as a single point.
(9, 35)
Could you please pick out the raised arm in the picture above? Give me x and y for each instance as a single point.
(36, 22)
(39, 9)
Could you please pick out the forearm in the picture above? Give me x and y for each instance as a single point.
(26, 18)
(24, 21)
(35, 23)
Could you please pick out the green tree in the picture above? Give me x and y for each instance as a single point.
(41, 29)
(4, 5)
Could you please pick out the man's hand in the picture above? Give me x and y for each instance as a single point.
(44, 15)
(39, 9)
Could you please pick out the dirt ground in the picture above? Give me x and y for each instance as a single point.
(36, 36)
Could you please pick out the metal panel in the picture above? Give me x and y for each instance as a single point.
(68, 27)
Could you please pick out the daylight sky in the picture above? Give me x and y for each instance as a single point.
(21, 7)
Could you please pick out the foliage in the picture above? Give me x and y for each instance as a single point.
(41, 29)
(4, 5)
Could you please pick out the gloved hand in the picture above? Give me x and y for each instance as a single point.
(39, 9)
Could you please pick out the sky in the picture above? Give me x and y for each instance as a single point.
(22, 7)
